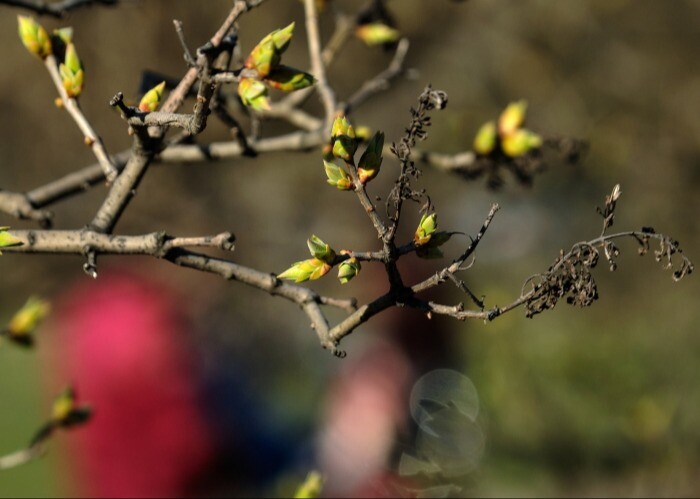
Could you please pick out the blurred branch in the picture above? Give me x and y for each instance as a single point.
(318, 67)
(382, 81)
(20, 457)
(55, 9)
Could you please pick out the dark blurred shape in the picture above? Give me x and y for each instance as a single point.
(119, 339)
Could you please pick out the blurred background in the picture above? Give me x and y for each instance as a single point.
(203, 387)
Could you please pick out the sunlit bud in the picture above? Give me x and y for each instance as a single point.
(266, 54)
(305, 270)
(72, 61)
(151, 99)
(34, 37)
(311, 487)
(337, 176)
(348, 269)
(520, 142)
(7, 239)
(72, 72)
(371, 159)
(253, 93)
(512, 117)
(282, 37)
(64, 34)
(485, 139)
(27, 319)
(289, 79)
(263, 58)
(377, 33)
(426, 228)
(341, 126)
(320, 250)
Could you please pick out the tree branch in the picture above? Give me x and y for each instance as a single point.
(55, 9)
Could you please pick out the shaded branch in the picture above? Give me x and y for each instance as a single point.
(55, 9)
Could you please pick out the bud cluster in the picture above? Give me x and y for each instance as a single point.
(508, 133)
(265, 63)
(344, 143)
(322, 261)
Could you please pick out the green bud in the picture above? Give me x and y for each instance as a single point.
(63, 405)
(320, 250)
(520, 142)
(64, 34)
(267, 54)
(341, 126)
(426, 228)
(344, 147)
(337, 176)
(282, 37)
(377, 33)
(253, 93)
(371, 159)
(485, 140)
(34, 37)
(311, 487)
(289, 79)
(348, 269)
(25, 321)
(263, 58)
(307, 269)
(512, 117)
(151, 99)
(72, 72)
(7, 240)
(72, 61)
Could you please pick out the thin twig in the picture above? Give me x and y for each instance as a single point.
(382, 81)
(91, 138)
(318, 67)
(55, 9)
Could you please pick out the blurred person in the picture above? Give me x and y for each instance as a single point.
(121, 341)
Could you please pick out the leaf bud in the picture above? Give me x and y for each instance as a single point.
(371, 160)
(7, 240)
(253, 93)
(289, 79)
(485, 139)
(25, 321)
(151, 99)
(34, 37)
(512, 117)
(377, 33)
(426, 228)
(348, 269)
(320, 250)
(520, 142)
(337, 176)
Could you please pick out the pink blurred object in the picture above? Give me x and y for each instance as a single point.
(366, 409)
(119, 340)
